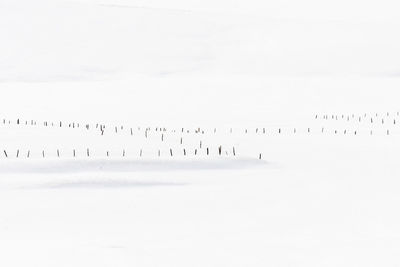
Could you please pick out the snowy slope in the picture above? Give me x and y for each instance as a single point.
(311, 86)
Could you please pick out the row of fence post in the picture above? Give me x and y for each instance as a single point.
(88, 153)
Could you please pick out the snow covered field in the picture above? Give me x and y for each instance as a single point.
(108, 108)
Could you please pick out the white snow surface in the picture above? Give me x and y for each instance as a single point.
(312, 86)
